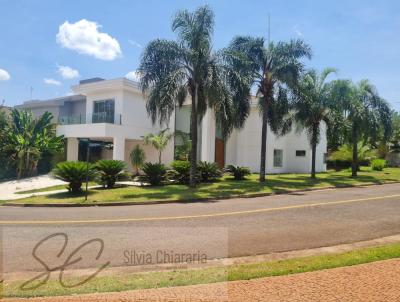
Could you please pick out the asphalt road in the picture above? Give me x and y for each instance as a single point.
(136, 235)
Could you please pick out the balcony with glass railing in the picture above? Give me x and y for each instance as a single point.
(95, 118)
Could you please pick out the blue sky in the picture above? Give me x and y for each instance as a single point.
(359, 38)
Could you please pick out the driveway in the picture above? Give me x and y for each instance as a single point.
(224, 228)
(8, 189)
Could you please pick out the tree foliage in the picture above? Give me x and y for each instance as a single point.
(274, 69)
(312, 106)
(27, 139)
(172, 71)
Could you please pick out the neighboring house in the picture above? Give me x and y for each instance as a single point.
(114, 112)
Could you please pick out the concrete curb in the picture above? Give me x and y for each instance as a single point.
(132, 203)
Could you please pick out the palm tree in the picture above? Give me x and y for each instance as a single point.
(274, 69)
(28, 138)
(158, 141)
(171, 71)
(365, 114)
(312, 106)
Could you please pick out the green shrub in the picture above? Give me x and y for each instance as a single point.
(343, 157)
(239, 173)
(155, 173)
(74, 172)
(137, 157)
(378, 164)
(180, 172)
(110, 171)
(209, 171)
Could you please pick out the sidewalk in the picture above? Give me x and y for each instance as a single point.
(378, 281)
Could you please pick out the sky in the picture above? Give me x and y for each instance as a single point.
(50, 45)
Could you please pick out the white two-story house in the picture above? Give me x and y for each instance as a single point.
(114, 112)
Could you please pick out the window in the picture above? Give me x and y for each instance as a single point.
(301, 153)
(103, 111)
(278, 158)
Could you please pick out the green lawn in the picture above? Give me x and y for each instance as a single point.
(207, 275)
(225, 187)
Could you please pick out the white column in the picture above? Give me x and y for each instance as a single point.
(208, 137)
(72, 149)
(119, 148)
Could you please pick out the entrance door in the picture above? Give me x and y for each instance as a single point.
(220, 152)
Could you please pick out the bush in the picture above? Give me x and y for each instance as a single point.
(343, 157)
(209, 171)
(239, 173)
(74, 172)
(137, 157)
(181, 171)
(155, 173)
(378, 164)
(110, 171)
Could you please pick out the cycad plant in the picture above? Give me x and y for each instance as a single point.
(274, 69)
(74, 172)
(110, 171)
(238, 172)
(209, 171)
(172, 71)
(154, 173)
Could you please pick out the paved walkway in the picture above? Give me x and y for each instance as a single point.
(378, 281)
(9, 188)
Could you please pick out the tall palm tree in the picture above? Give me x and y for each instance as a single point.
(274, 69)
(173, 70)
(28, 138)
(158, 141)
(365, 114)
(312, 106)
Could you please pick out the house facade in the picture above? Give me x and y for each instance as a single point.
(113, 113)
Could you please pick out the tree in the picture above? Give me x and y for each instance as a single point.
(365, 114)
(274, 69)
(172, 71)
(28, 138)
(159, 141)
(138, 158)
(312, 106)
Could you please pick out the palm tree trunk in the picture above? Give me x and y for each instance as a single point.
(313, 151)
(263, 141)
(159, 157)
(193, 136)
(354, 164)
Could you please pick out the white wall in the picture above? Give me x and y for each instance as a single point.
(243, 148)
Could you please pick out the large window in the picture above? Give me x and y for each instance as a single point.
(103, 111)
(278, 158)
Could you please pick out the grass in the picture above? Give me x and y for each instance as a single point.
(125, 282)
(226, 187)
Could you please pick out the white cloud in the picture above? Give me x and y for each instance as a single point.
(67, 72)
(84, 37)
(297, 31)
(133, 75)
(4, 75)
(136, 44)
(51, 82)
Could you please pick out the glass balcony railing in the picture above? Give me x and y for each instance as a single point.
(95, 118)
